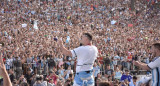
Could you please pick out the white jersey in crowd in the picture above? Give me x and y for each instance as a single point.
(86, 55)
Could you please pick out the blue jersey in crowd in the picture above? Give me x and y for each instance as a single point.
(124, 77)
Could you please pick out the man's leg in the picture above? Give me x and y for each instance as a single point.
(75, 84)
(77, 80)
(89, 83)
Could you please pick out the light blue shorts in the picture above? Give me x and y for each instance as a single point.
(84, 79)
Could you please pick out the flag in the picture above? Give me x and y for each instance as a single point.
(113, 22)
(130, 25)
(67, 40)
(35, 25)
(24, 25)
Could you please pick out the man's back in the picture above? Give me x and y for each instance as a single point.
(86, 56)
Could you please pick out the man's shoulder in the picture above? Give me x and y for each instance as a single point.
(94, 48)
(156, 58)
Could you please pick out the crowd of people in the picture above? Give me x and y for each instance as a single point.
(29, 30)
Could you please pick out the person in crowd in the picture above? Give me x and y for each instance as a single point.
(18, 67)
(21, 80)
(38, 81)
(109, 72)
(133, 81)
(51, 83)
(126, 76)
(61, 71)
(53, 77)
(29, 76)
(96, 71)
(51, 63)
(118, 73)
(11, 75)
(68, 72)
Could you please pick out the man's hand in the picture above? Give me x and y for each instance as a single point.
(136, 63)
(3, 73)
(63, 49)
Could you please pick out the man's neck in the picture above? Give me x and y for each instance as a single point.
(87, 44)
(158, 55)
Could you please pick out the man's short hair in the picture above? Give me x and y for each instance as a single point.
(89, 36)
(157, 45)
(126, 70)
